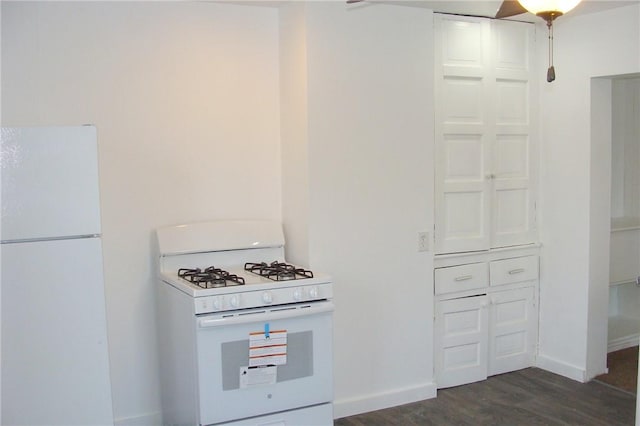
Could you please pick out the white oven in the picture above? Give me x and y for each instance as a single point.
(225, 375)
(252, 350)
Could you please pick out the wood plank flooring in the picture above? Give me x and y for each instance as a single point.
(623, 369)
(526, 397)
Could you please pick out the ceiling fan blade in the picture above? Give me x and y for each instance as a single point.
(510, 8)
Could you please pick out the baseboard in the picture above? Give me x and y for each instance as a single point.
(152, 419)
(561, 368)
(379, 401)
(623, 343)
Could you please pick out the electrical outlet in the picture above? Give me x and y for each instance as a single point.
(423, 241)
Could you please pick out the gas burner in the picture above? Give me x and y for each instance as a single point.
(211, 277)
(278, 271)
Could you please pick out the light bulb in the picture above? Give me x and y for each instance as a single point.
(538, 6)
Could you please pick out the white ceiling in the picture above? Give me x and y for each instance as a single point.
(486, 8)
(490, 7)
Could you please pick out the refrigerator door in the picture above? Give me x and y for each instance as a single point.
(49, 182)
(55, 366)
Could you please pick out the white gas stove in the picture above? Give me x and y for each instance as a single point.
(245, 337)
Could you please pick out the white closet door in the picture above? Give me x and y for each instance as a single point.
(512, 330)
(513, 165)
(462, 153)
(461, 330)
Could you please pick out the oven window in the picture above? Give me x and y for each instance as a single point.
(299, 359)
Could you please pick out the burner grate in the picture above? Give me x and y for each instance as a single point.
(211, 277)
(278, 271)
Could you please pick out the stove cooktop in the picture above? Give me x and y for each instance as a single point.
(252, 276)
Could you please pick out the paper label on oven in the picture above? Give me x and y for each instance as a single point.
(257, 376)
(267, 347)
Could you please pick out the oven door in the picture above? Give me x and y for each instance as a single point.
(295, 373)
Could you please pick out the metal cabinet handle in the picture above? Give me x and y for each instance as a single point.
(463, 278)
(516, 271)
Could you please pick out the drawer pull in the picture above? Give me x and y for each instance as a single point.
(463, 278)
(516, 271)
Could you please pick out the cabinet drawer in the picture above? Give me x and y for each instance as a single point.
(461, 278)
(509, 271)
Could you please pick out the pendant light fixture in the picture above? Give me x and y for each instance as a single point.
(549, 10)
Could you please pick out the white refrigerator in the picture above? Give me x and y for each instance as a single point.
(54, 356)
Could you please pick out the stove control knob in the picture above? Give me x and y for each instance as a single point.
(313, 292)
(216, 304)
(267, 297)
(234, 301)
(297, 295)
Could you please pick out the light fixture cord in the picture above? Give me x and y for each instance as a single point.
(550, 26)
(551, 72)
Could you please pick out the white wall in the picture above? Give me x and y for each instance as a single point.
(370, 110)
(357, 141)
(574, 295)
(185, 97)
(294, 137)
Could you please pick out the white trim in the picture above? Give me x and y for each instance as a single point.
(379, 401)
(562, 368)
(151, 419)
(623, 343)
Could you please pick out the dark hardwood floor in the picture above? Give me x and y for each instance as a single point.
(526, 397)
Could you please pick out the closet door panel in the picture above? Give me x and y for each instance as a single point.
(512, 214)
(512, 102)
(512, 330)
(513, 49)
(462, 43)
(462, 100)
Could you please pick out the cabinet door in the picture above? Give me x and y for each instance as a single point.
(462, 120)
(512, 135)
(512, 330)
(461, 331)
(484, 134)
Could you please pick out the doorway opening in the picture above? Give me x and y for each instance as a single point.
(616, 133)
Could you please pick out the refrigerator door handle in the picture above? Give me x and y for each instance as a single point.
(32, 240)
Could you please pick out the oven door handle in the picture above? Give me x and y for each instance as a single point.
(267, 315)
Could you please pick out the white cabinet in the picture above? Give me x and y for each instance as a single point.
(461, 338)
(512, 330)
(485, 143)
(490, 326)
